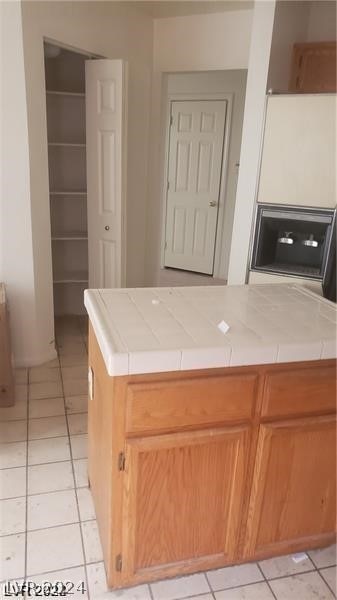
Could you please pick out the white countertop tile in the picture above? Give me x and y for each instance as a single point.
(148, 330)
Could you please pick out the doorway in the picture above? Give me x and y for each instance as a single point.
(66, 133)
(85, 101)
(195, 158)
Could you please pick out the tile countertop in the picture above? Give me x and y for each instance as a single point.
(149, 330)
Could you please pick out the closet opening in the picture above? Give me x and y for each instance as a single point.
(66, 132)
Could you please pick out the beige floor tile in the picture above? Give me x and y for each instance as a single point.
(75, 372)
(13, 455)
(75, 387)
(44, 374)
(21, 376)
(92, 543)
(81, 472)
(54, 549)
(21, 393)
(14, 413)
(50, 477)
(79, 446)
(75, 575)
(255, 591)
(49, 450)
(49, 407)
(12, 516)
(228, 577)
(98, 587)
(12, 557)
(49, 389)
(70, 347)
(324, 557)
(284, 565)
(51, 364)
(47, 427)
(51, 509)
(76, 404)
(309, 586)
(78, 423)
(173, 589)
(86, 504)
(12, 483)
(330, 576)
(73, 360)
(13, 431)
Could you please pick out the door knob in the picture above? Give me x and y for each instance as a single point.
(107, 228)
(212, 203)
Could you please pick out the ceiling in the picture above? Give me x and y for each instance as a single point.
(159, 9)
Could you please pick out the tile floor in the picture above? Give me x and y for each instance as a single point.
(48, 529)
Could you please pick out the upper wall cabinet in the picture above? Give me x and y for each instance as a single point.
(313, 68)
(299, 151)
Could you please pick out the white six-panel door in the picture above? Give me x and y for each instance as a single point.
(194, 175)
(105, 139)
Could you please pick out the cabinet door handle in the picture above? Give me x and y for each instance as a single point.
(107, 228)
(212, 203)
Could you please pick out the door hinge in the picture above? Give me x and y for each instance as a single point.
(168, 186)
(171, 120)
(118, 562)
(165, 247)
(121, 461)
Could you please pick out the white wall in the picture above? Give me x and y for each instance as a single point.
(251, 139)
(186, 44)
(31, 342)
(290, 26)
(201, 42)
(113, 31)
(322, 21)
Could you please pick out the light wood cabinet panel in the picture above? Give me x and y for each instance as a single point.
(183, 499)
(177, 404)
(299, 392)
(313, 68)
(294, 486)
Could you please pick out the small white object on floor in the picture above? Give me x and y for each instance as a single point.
(154, 301)
(299, 557)
(223, 326)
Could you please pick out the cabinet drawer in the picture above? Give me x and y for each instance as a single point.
(299, 391)
(178, 403)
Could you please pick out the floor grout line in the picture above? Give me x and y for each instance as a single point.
(76, 495)
(26, 495)
(266, 580)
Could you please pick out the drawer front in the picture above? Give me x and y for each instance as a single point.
(175, 404)
(299, 391)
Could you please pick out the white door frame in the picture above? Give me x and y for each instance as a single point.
(228, 97)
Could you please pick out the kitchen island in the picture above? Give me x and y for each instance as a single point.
(210, 445)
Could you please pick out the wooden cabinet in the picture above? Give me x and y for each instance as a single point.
(294, 486)
(201, 469)
(183, 499)
(313, 68)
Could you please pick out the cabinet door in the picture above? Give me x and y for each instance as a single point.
(314, 68)
(294, 488)
(182, 501)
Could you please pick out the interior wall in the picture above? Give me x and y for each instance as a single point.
(112, 30)
(296, 22)
(202, 42)
(213, 42)
(290, 26)
(322, 21)
(260, 48)
(31, 342)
